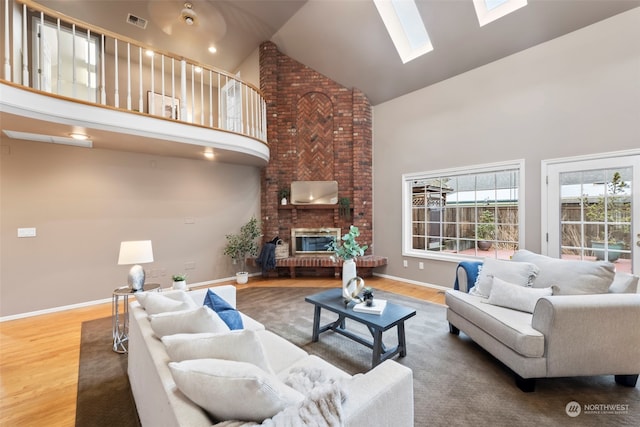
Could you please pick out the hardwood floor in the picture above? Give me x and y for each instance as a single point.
(39, 355)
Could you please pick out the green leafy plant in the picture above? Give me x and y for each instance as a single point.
(486, 225)
(243, 244)
(349, 248)
(345, 207)
(179, 277)
(283, 192)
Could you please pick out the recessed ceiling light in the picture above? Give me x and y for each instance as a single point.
(212, 49)
(208, 153)
(197, 69)
(149, 52)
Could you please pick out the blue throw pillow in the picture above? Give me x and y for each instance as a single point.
(228, 314)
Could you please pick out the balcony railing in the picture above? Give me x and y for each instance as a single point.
(55, 54)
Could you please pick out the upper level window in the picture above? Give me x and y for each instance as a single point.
(463, 212)
(404, 24)
(490, 10)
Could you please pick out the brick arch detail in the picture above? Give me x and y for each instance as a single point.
(314, 123)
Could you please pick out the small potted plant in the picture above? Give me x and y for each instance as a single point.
(283, 193)
(241, 245)
(179, 281)
(367, 296)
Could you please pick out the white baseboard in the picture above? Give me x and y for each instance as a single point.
(100, 301)
(413, 282)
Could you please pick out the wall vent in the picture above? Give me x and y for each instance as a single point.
(137, 21)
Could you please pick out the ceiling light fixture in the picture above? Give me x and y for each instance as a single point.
(188, 15)
(208, 153)
(79, 136)
(212, 49)
(149, 53)
(53, 139)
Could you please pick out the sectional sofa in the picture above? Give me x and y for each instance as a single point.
(188, 368)
(545, 317)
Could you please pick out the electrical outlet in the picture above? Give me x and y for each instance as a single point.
(191, 265)
(421, 265)
(405, 263)
(189, 220)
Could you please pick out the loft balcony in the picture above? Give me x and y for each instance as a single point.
(62, 76)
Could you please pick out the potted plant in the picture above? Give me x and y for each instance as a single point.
(345, 207)
(179, 281)
(611, 209)
(283, 193)
(485, 232)
(348, 250)
(367, 296)
(241, 245)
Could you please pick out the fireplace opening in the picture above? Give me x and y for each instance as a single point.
(312, 241)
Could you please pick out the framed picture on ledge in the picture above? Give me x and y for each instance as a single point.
(171, 108)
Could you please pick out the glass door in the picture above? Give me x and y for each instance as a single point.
(592, 210)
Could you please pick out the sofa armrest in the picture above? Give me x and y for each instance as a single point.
(590, 334)
(384, 394)
(466, 275)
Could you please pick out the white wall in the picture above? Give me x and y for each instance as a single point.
(84, 202)
(577, 94)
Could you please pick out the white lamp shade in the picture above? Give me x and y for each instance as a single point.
(135, 252)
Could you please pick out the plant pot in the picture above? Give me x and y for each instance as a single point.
(242, 277)
(484, 245)
(612, 254)
(351, 283)
(181, 285)
(283, 201)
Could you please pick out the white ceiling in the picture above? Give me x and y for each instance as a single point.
(344, 40)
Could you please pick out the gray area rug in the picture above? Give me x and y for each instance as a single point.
(456, 383)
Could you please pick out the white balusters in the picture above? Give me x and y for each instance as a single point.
(7, 46)
(222, 101)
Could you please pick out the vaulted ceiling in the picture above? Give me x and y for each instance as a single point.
(345, 40)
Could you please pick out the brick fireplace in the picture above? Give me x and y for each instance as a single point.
(317, 131)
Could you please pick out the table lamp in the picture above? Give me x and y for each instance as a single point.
(135, 252)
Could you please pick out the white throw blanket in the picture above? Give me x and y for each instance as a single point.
(321, 408)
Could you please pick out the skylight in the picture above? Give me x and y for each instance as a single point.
(490, 10)
(404, 25)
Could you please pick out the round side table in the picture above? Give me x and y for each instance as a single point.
(120, 318)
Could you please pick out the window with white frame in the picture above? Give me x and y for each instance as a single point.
(457, 213)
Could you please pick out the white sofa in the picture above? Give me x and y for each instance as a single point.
(384, 394)
(590, 325)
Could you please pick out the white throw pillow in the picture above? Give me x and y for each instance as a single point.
(231, 390)
(518, 297)
(157, 302)
(201, 319)
(519, 273)
(570, 276)
(624, 283)
(239, 345)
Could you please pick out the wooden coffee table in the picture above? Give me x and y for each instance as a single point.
(393, 315)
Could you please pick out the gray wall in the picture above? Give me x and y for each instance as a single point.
(575, 95)
(84, 202)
